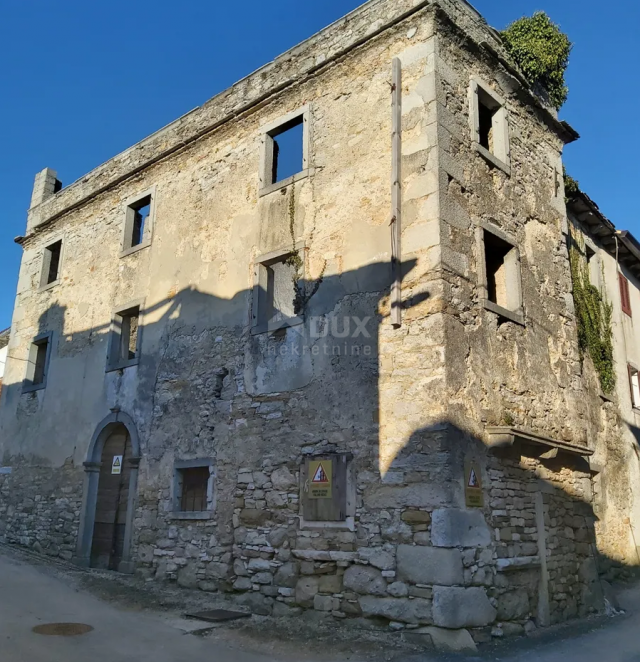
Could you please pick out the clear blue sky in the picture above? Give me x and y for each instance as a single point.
(81, 81)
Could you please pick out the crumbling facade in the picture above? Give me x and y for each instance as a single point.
(204, 382)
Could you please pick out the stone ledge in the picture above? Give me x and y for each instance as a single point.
(503, 437)
(519, 563)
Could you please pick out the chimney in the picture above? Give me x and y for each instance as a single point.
(46, 184)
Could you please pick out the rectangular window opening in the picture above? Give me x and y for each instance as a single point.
(129, 334)
(288, 150)
(125, 339)
(51, 263)
(139, 211)
(38, 363)
(40, 367)
(634, 383)
(194, 489)
(486, 117)
(496, 255)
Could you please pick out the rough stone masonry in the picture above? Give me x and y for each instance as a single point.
(204, 386)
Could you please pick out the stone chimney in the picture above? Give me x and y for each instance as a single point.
(46, 184)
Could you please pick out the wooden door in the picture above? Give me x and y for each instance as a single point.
(111, 506)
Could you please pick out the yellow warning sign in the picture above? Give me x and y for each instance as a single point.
(320, 473)
(116, 465)
(474, 496)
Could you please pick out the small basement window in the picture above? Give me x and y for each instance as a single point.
(193, 487)
(51, 264)
(138, 222)
(499, 274)
(38, 363)
(327, 489)
(634, 384)
(275, 293)
(490, 125)
(284, 152)
(125, 339)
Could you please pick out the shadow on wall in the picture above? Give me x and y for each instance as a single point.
(205, 385)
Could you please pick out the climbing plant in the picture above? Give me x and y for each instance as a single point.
(302, 295)
(571, 185)
(542, 51)
(593, 317)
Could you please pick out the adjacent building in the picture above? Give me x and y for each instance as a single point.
(314, 345)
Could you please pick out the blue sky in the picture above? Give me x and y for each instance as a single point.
(81, 81)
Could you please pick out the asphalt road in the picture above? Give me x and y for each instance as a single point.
(30, 597)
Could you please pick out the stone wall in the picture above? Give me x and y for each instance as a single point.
(408, 404)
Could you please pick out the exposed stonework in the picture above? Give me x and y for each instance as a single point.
(405, 409)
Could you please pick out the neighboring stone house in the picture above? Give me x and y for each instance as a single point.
(612, 260)
(4, 348)
(212, 381)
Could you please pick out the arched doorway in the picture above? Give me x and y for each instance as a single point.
(113, 498)
(106, 521)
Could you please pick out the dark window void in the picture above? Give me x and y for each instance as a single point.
(195, 488)
(52, 262)
(496, 251)
(485, 117)
(141, 211)
(40, 368)
(288, 142)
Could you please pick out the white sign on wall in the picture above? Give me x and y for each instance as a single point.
(116, 465)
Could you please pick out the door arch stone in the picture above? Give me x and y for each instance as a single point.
(103, 431)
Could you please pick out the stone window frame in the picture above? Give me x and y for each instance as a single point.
(349, 523)
(267, 132)
(502, 159)
(28, 385)
(260, 275)
(46, 262)
(180, 465)
(129, 214)
(517, 313)
(115, 332)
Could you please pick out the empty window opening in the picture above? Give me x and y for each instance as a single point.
(593, 268)
(38, 363)
(129, 334)
(40, 367)
(491, 129)
(486, 120)
(497, 254)
(193, 488)
(51, 265)
(634, 383)
(140, 212)
(288, 150)
(625, 299)
(125, 339)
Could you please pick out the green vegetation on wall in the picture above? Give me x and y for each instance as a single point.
(593, 317)
(542, 51)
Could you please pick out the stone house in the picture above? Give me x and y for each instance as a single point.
(313, 343)
(612, 260)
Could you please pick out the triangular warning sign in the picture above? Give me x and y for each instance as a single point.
(320, 475)
(473, 479)
(116, 461)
